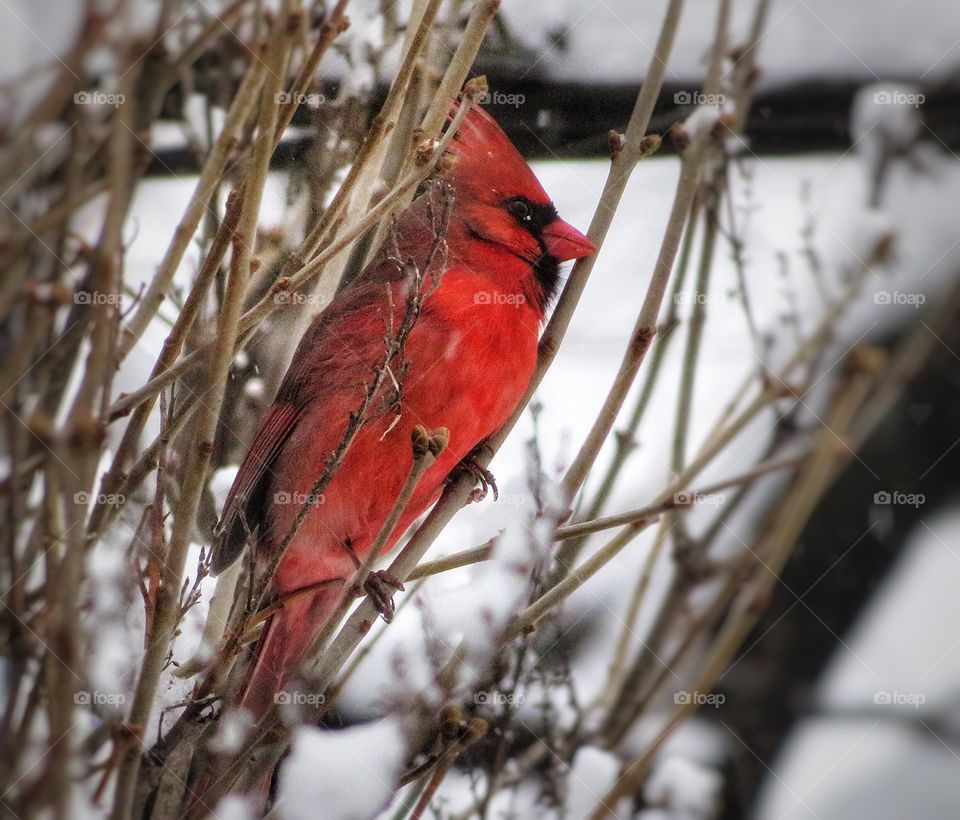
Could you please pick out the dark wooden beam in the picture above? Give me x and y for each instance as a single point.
(546, 119)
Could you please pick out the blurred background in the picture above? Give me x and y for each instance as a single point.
(844, 703)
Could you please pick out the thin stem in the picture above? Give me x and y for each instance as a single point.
(254, 316)
(426, 447)
(200, 200)
(809, 489)
(167, 605)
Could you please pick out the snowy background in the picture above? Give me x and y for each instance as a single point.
(860, 756)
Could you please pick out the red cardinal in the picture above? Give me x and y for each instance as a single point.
(470, 357)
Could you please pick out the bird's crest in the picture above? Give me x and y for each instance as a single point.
(484, 157)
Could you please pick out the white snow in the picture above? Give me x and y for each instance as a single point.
(884, 743)
(232, 730)
(702, 121)
(804, 38)
(888, 109)
(592, 773)
(886, 119)
(220, 483)
(686, 789)
(345, 774)
(235, 807)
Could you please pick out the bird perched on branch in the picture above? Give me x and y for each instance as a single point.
(473, 261)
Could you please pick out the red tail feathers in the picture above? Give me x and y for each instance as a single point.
(285, 640)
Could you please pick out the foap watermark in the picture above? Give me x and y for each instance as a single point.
(84, 698)
(892, 96)
(288, 297)
(295, 697)
(109, 499)
(493, 697)
(698, 298)
(685, 498)
(310, 100)
(97, 297)
(684, 698)
(98, 98)
(298, 498)
(898, 698)
(895, 498)
(897, 297)
(698, 98)
(498, 297)
(501, 98)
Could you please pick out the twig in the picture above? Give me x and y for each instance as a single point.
(114, 478)
(210, 175)
(255, 315)
(476, 555)
(208, 416)
(458, 491)
(426, 445)
(746, 611)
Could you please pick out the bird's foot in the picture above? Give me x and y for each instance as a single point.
(482, 475)
(380, 586)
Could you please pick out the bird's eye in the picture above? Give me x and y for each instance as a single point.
(520, 208)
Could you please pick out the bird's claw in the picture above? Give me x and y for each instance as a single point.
(380, 586)
(482, 476)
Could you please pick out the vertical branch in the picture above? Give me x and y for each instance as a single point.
(77, 453)
(113, 481)
(747, 608)
(167, 611)
(210, 174)
(641, 335)
(633, 147)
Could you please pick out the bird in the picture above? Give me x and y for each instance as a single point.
(465, 363)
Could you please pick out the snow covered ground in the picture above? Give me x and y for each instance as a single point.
(888, 744)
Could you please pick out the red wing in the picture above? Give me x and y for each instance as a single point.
(336, 352)
(246, 505)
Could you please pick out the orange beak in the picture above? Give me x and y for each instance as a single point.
(565, 242)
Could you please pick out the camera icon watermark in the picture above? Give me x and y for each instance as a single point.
(290, 97)
(295, 697)
(894, 498)
(898, 698)
(698, 98)
(492, 697)
(501, 98)
(288, 297)
(896, 97)
(685, 498)
(96, 297)
(684, 698)
(109, 499)
(299, 498)
(98, 98)
(699, 298)
(896, 297)
(84, 698)
(498, 297)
